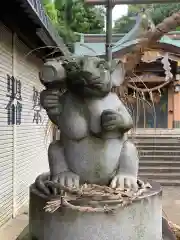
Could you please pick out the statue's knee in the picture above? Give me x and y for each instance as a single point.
(129, 146)
(53, 147)
(129, 152)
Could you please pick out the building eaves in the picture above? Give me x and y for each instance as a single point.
(36, 13)
(122, 48)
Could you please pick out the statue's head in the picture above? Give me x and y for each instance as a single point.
(92, 76)
(85, 77)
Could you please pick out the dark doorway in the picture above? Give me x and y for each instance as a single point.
(150, 114)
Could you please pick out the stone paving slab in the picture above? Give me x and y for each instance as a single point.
(171, 203)
(12, 229)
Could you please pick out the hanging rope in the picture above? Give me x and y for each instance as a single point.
(147, 89)
(93, 198)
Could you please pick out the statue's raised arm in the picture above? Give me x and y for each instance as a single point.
(52, 76)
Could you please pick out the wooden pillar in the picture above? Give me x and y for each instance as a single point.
(170, 107)
(176, 120)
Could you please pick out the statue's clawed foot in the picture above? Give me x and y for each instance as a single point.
(126, 175)
(65, 179)
(124, 182)
(41, 183)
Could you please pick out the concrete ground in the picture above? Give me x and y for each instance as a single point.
(19, 226)
(14, 228)
(171, 203)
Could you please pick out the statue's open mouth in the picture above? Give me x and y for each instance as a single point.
(95, 82)
(98, 85)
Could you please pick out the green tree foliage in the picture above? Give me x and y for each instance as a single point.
(158, 13)
(52, 12)
(124, 24)
(80, 17)
(70, 16)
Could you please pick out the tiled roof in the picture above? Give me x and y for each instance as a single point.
(172, 38)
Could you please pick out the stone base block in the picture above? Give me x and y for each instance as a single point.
(142, 220)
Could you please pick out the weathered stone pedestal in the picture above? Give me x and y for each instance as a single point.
(142, 220)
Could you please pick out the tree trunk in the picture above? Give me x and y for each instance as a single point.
(149, 38)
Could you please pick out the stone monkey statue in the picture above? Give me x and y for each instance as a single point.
(93, 121)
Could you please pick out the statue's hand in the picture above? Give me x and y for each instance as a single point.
(67, 179)
(50, 98)
(110, 120)
(124, 181)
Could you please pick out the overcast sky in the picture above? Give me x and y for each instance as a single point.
(119, 11)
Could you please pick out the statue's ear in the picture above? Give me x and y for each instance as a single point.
(117, 72)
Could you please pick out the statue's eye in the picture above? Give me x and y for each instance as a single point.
(101, 65)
